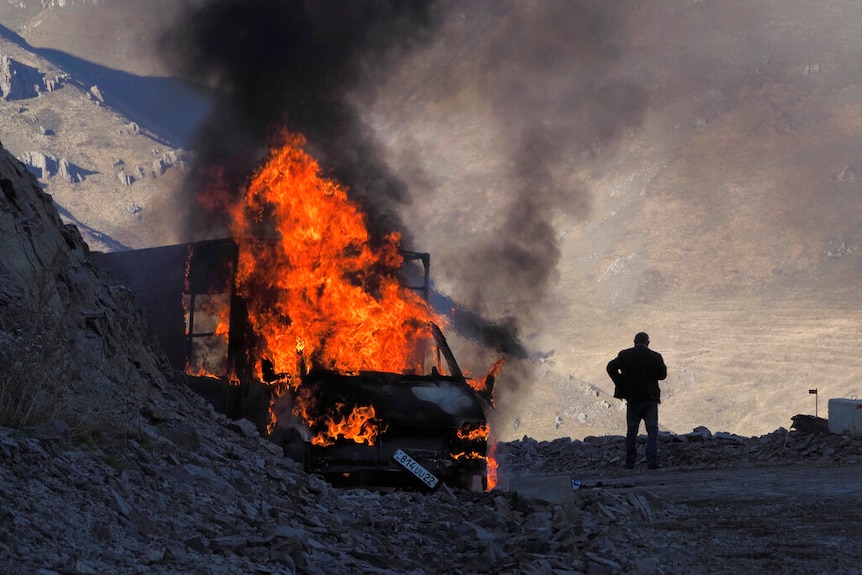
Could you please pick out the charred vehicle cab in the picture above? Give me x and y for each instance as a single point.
(416, 428)
(437, 421)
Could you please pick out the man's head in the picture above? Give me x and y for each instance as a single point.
(641, 339)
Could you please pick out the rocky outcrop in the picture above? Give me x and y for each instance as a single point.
(43, 166)
(46, 166)
(18, 81)
(69, 172)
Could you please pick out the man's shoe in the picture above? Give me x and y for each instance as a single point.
(653, 466)
(630, 465)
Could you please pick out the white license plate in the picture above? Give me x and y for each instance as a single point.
(416, 469)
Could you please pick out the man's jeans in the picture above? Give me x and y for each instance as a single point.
(635, 412)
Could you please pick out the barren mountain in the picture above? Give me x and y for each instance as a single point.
(107, 138)
(578, 171)
(110, 464)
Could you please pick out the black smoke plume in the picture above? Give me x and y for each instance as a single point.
(296, 64)
(546, 70)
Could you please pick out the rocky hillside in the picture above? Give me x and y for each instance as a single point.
(68, 336)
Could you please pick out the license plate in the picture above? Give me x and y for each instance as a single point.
(416, 469)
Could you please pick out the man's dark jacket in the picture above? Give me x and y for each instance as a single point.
(636, 372)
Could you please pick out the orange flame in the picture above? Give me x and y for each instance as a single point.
(482, 386)
(197, 370)
(483, 433)
(470, 433)
(186, 284)
(320, 283)
(359, 425)
(491, 469)
(320, 291)
(480, 432)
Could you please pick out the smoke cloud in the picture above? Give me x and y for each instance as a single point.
(544, 69)
(295, 64)
(550, 79)
(548, 99)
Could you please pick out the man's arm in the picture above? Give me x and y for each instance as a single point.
(661, 368)
(614, 369)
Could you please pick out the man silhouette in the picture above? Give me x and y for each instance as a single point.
(636, 372)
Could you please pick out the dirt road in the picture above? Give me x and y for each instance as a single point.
(798, 518)
(789, 483)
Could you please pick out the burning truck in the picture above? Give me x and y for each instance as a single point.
(320, 335)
